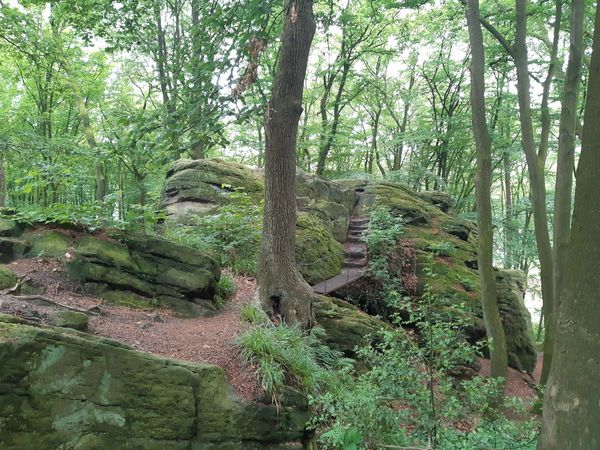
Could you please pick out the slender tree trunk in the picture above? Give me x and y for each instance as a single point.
(566, 151)
(2, 183)
(508, 218)
(283, 292)
(536, 177)
(572, 399)
(491, 314)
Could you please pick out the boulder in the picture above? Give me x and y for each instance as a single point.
(199, 186)
(12, 248)
(442, 200)
(334, 216)
(69, 319)
(60, 388)
(8, 279)
(510, 285)
(318, 254)
(347, 327)
(9, 228)
(143, 271)
(47, 243)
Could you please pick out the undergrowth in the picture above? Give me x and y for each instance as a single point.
(231, 235)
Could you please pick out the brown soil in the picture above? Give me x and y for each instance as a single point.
(158, 331)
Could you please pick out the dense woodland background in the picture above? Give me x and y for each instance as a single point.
(97, 98)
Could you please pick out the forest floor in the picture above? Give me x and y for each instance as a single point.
(157, 331)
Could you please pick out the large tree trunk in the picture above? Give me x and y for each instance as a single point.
(566, 149)
(283, 292)
(489, 303)
(536, 177)
(572, 398)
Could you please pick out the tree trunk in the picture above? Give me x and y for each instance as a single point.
(489, 303)
(572, 398)
(566, 149)
(2, 183)
(536, 176)
(284, 294)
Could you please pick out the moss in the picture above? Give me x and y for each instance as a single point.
(334, 216)
(347, 327)
(71, 390)
(8, 278)
(9, 228)
(69, 319)
(129, 299)
(51, 244)
(318, 254)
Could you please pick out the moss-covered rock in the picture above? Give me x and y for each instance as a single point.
(347, 327)
(47, 243)
(8, 278)
(12, 248)
(69, 319)
(198, 186)
(144, 271)
(510, 285)
(334, 216)
(9, 228)
(318, 254)
(442, 200)
(65, 389)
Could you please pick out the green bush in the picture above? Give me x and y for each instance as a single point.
(408, 398)
(232, 235)
(225, 289)
(253, 315)
(286, 356)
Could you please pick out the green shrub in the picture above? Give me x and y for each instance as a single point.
(225, 289)
(286, 356)
(232, 235)
(253, 315)
(407, 398)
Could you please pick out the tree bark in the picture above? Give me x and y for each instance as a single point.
(572, 398)
(284, 294)
(566, 150)
(489, 303)
(536, 176)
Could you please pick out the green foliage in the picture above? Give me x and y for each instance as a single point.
(382, 238)
(286, 356)
(225, 289)
(253, 315)
(408, 399)
(232, 235)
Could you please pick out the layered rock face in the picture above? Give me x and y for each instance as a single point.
(201, 186)
(445, 246)
(65, 389)
(127, 269)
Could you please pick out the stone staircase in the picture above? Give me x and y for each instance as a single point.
(355, 258)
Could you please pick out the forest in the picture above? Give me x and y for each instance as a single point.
(331, 224)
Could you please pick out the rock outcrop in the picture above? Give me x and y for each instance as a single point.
(131, 270)
(64, 389)
(139, 271)
(445, 246)
(201, 186)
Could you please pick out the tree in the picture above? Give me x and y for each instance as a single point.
(535, 166)
(571, 413)
(283, 292)
(489, 303)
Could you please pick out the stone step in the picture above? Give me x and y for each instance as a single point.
(358, 253)
(359, 221)
(355, 262)
(353, 239)
(360, 228)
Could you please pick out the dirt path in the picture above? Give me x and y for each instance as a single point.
(158, 331)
